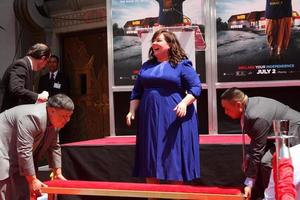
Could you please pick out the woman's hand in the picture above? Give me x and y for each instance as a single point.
(130, 116)
(134, 104)
(180, 109)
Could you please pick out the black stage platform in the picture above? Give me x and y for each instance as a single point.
(111, 159)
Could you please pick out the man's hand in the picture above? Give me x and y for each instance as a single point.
(57, 174)
(59, 177)
(35, 186)
(42, 97)
(247, 192)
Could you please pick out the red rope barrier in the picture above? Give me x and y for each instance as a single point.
(284, 186)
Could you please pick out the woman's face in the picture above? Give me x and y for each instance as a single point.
(160, 48)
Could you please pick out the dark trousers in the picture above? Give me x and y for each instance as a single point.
(263, 176)
(14, 187)
(5, 190)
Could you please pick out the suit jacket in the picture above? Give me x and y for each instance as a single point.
(26, 135)
(18, 84)
(60, 84)
(258, 124)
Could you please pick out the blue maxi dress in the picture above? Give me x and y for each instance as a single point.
(167, 146)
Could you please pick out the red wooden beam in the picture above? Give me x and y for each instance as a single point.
(141, 190)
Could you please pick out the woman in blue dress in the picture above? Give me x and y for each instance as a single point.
(167, 146)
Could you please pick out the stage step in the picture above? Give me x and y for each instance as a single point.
(141, 190)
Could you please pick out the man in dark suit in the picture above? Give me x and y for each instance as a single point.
(18, 78)
(27, 133)
(54, 81)
(257, 115)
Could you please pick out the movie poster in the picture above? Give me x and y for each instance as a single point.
(258, 40)
(132, 18)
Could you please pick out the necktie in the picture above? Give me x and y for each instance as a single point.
(52, 77)
(243, 145)
(51, 82)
